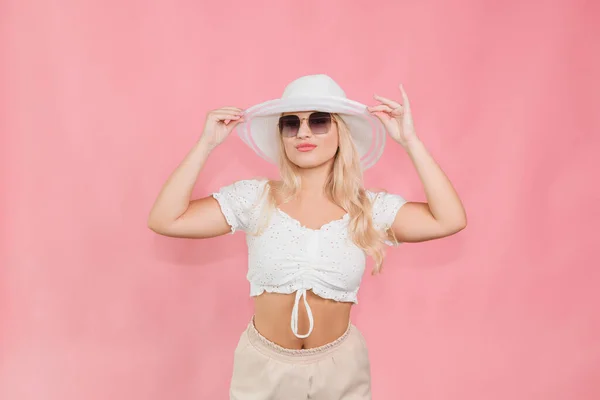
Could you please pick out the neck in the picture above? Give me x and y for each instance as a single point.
(313, 179)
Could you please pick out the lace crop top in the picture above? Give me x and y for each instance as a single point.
(287, 257)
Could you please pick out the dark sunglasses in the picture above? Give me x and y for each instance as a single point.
(318, 122)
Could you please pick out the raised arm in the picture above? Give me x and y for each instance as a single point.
(443, 214)
(174, 213)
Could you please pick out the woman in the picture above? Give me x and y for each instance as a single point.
(309, 233)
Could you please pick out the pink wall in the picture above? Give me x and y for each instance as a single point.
(99, 100)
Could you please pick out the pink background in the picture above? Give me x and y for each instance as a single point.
(99, 101)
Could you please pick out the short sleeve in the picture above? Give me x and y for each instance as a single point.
(385, 208)
(237, 202)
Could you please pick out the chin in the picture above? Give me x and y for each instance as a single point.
(309, 161)
(307, 165)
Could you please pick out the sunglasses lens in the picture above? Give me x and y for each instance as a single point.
(319, 122)
(289, 125)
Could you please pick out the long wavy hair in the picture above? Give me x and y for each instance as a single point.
(344, 187)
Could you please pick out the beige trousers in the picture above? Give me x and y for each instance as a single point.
(263, 370)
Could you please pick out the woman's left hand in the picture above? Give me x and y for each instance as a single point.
(396, 118)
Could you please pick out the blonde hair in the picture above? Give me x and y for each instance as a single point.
(344, 187)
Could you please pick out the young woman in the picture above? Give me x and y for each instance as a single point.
(309, 233)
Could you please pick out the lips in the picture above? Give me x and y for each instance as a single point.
(305, 147)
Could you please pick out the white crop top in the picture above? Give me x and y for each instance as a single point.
(288, 257)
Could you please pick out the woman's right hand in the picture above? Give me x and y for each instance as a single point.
(219, 124)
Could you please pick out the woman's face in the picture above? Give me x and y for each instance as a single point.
(310, 139)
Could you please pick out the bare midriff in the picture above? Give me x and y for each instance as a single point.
(272, 313)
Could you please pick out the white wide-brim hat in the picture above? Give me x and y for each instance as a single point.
(259, 130)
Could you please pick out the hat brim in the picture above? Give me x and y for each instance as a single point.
(260, 132)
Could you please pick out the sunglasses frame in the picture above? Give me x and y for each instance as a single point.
(331, 119)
